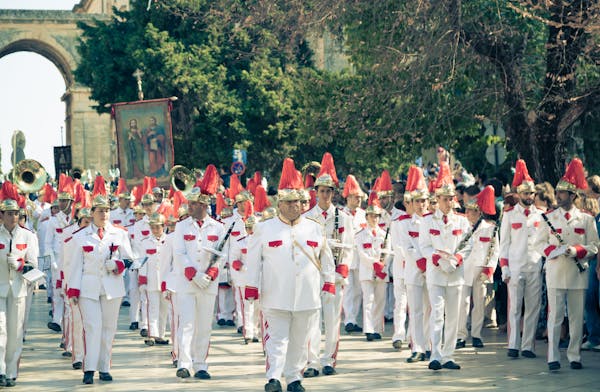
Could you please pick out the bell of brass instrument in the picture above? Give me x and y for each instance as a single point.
(29, 176)
(182, 179)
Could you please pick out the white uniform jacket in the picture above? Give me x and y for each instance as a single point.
(141, 231)
(67, 254)
(359, 222)
(189, 243)
(397, 226)
(25, 246)
(369, 243)
(167, 255)
(579, 231)
(518, 233)
(88, 275)
(288, 264)
(237, 231)
(150, 272)
(344, 233)
(122, 217)
(54, 231)
(238, 251)
(482, 240)
(408, 240)
(434, 236)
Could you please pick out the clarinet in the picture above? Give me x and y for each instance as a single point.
(562, 242)
(215, 258)
(336, 235)
(468, 236)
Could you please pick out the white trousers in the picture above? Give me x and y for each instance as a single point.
(195, 326)
(134, 297)
(74, 333)
(352, 297)
(45, 265)
(99, 325)
(526, 287)
(473, 292)
(58, 299)
(390, 300)
(226, 303)
(573, 301)
(175, 330)
(332, 316)
(373, 293)
(400, 304)
(238, 299)
(286, 335)
(419, 312)
(444, 300)
(28, 302)
(12, 316)
(250, 315)
(157, 314)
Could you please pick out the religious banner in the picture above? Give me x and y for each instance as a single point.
(144, 139)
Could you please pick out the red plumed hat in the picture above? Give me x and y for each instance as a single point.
(99, 194)
(13, 201)
(290, 183)
(486, 201)
(574, 177)
(385, 185)
(374, 206)
(522, 181)
(261, 201)
(122, 190)
(444, 185)
(178, 200)
(351, 187)
(415, 184)
(65, 187)
(219, 203)
(49, 193)
(235, 186)
(327, 175)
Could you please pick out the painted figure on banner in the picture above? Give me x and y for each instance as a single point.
(154, 146)
(135, 153)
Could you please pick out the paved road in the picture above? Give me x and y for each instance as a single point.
(362, 366)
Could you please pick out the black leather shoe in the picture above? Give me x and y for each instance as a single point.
(397, 344)
(477, 343)
(576, 365)
(49, 300)
(174, 363)
(149, 341)
(54, 326)
(369, 337)
(349, 328)
(133, 326)
(88, 377)
(296, 386)
(2, 380)
(376, 336)
(202, 375)
(435, 365)
(328, 371)
(553, 366)
(182, 373)
(451, 365)
(240, 329)
(11, 382)
(427, 355)
(144, 332)
(230, 323)
(77, 365)
(512, 353)
(161, 341)
(416, 357)
(125, 304)
(67, 354)
(357, 328)
(460, 343)
(273, 386)
(528, 354)
(254, 340)
(105, 376)
(42, 287)
(221, 322)
(310, 372)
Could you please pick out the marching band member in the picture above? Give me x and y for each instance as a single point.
(18, 254)
(289, 257)
(352, 292)
(150, 280)
(521, 264)
(100, 254)
(479, 267)
(569, 238)
(408, 230)
(195, 271)
(339, 231)
(374, 252)
(441, 238)
(53, 240)
(167, 288)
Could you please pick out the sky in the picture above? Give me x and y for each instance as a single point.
(31, 87)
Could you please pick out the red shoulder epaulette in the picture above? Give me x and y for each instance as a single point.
(509, 208)
(427, 214)
(590, 213)
(403, 217)
(68, 239)
(550, 210)
(23, 227)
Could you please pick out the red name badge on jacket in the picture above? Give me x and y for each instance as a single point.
(189, 237)
(275, 244)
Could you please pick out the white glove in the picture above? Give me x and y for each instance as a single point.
(202, 280)
(570, 251)
(13, 264)
(110, 265)
(339, 279)
(448, 265)
(505, 273)
(484, 278)
(327, 297)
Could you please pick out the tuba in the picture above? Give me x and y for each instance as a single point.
(29, 176)
(182, 179)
